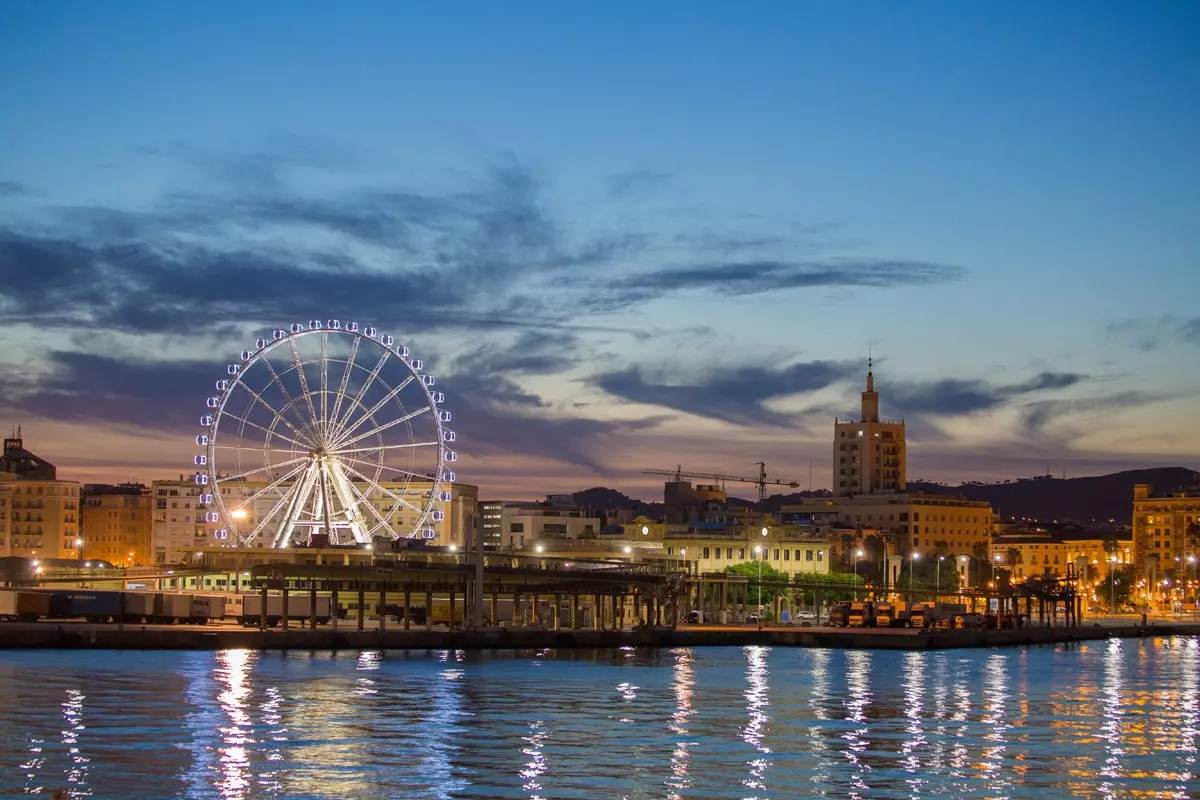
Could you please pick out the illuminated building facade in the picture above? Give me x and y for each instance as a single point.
(40, 517)
(868, 453)
(116, 524)
(712, 547)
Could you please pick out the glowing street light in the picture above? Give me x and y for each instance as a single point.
(1112, 573)
(937, 585)
(857, 555)
(757, 553)
(238, 513)
(911, 566)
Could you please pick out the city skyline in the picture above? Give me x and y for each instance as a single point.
(615, 252)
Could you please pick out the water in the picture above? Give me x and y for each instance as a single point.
(1105, 719)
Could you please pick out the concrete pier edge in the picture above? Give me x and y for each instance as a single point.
(67, 636)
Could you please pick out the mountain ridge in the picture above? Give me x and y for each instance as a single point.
(1095, 498)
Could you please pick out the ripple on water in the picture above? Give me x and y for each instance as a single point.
(1106, 719)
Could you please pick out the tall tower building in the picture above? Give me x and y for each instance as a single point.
(868, 453)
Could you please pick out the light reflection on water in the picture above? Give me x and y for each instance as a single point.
(1108, 719)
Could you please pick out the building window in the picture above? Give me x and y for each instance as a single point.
(787, 555)
(776, 553)
(706, 552)
(808, 555)
(742, 553)
(516, 527)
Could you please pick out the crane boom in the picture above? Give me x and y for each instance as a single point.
(761, 481)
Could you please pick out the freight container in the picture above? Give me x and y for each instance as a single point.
(206, 607)
(233, 606)
(92, 605)
(172, 608)
(299, 608)
(139, 606)
(24, 606)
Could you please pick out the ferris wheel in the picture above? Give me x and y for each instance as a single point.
(325, 432)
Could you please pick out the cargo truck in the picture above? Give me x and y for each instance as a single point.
(94, 606)
(862, 614)
(892, 615)
(839, 614)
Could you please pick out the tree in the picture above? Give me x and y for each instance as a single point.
(1013, 555)
(772, 581)
(941, 548)
(1192, 537)
(979, 552)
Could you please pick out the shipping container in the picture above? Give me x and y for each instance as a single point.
(139, 606)
(299, 608)
(25, 606)
(170, 608)
(207, 607)
(92, 605)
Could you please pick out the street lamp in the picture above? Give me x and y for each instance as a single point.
(912, 565)
(757, 551)
(967, 571)
(937, 584)
(79, 548)
(1112, 573)
(857, 555)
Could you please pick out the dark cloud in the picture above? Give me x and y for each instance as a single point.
(734, 395)
(12, 189)
(952, 396)
(1038, 416)
(1191, 330)
(763, 276)
(530, 353)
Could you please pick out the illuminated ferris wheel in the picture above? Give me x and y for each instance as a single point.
(329, 430)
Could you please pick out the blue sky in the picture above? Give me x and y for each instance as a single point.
(628, 235)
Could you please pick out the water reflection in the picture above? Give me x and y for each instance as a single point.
(914, 743)
(683, 685)
(858, 700)
(757, 696)
(1118, 719)
(233, 673)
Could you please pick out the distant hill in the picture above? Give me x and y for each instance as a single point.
(1099, 498)
(601, 499)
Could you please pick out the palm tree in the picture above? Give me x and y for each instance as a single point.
(941, 547)
(979, 551)
(1013, 555)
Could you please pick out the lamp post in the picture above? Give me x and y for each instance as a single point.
(937, 583)
(1195, 581)
(911, 566)
(966, 570)
(758, 557)
(79, 548)
(1112, 573)
(857, 555)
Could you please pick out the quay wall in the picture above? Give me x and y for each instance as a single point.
(133, 637)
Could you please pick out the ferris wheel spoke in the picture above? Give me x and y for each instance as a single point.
(240, 448)
(275, 509)
(364, 502)
(346, 492)
(324, 386)
(362, 392)
(265, 468)
(391, 395)
(342, 443)
(276, 415)
(346, 465)
(341, 393)
(408, 446)
(270, 432)
(384, 467)
(275, 484)
(291, 401)
(302, 491)
(303, 382)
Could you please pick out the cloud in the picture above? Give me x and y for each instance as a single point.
(1151, 333)
(1037, 417)
(735, 395)
(764, 276)
(953, 396)
(636, 181)
(12, 189)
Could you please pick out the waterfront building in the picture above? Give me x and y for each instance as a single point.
(711, 547)
(1166, 525)
(18, 461)
(40, 517)
(116, 524)
(519, 525)
(909, 522)
(868, 453)
(182, 523)
(1061, 551)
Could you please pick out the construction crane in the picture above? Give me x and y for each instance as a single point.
(761, 481)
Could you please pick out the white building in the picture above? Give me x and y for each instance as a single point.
(516, 525)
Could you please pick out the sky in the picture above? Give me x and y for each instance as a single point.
(623, 235)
